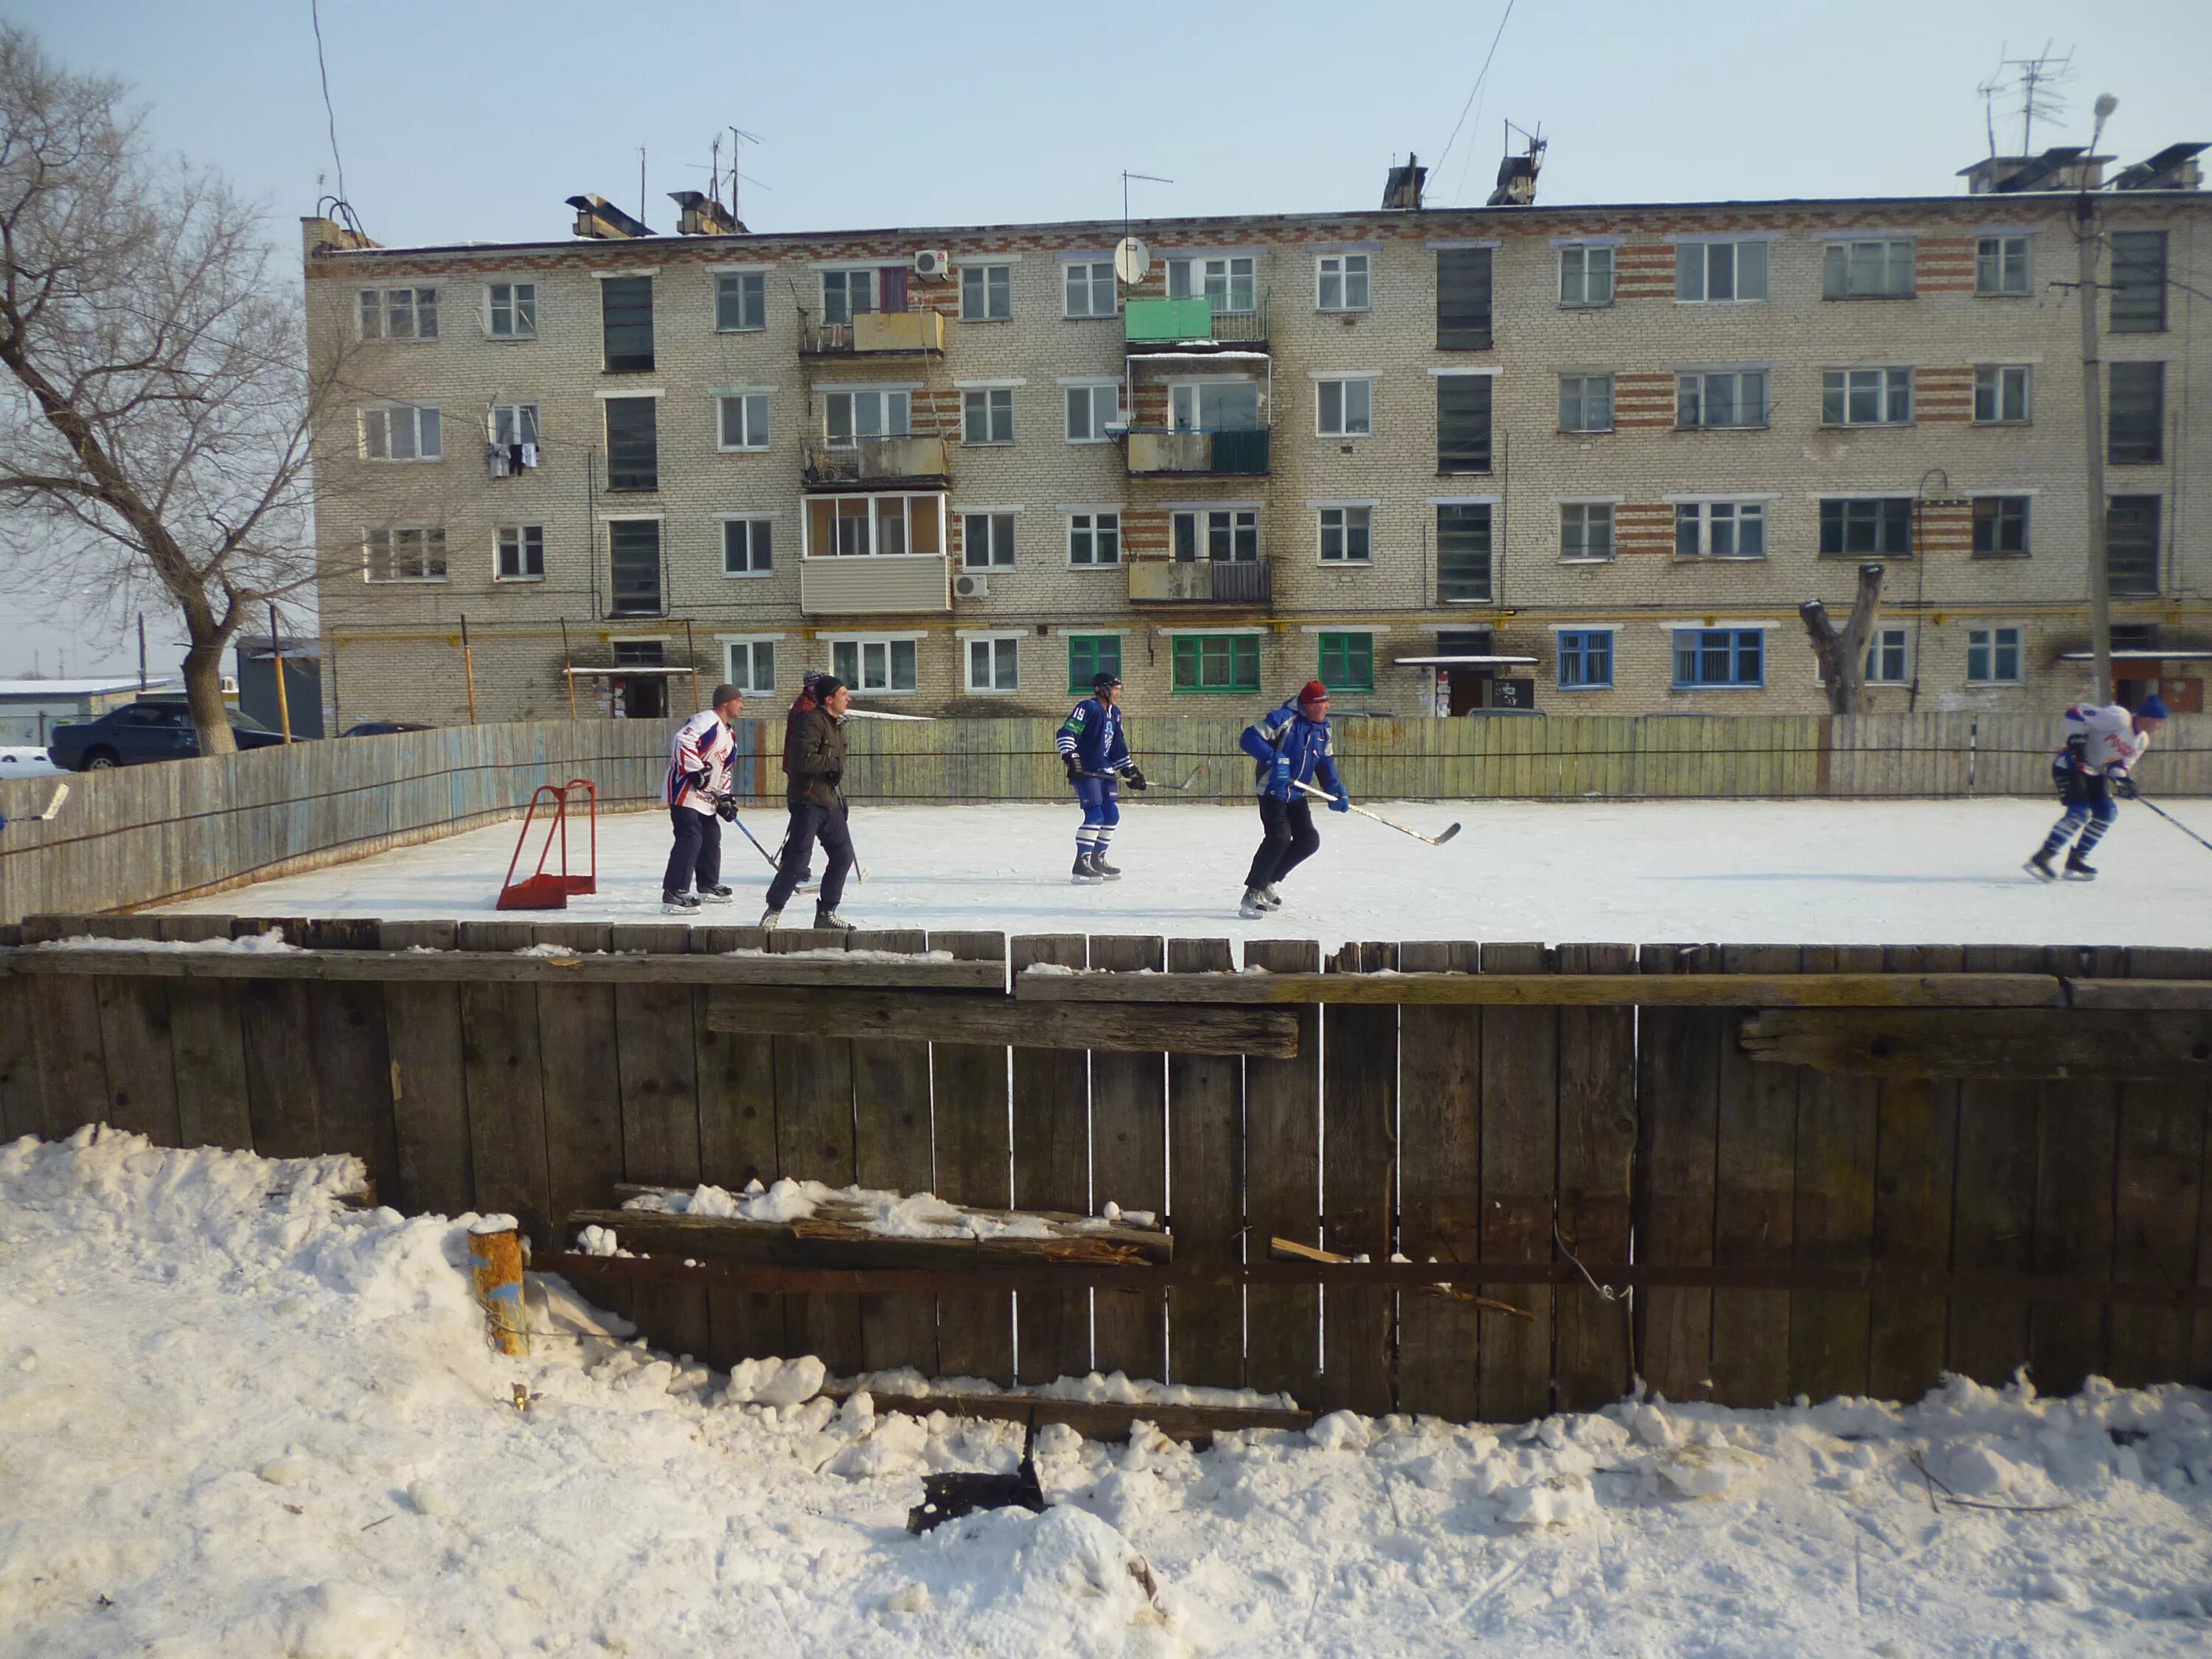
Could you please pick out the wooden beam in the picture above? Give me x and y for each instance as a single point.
(1559, 990)
(1094, 1420)
(836, 1241)
(2000, 1044)
(2140, 993)
(995, 1018)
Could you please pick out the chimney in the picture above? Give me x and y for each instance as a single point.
(702, 216)
(2174, 167)
(598, 218)
(1402, 189)
(321, 235)
(1517, 177)
(2067, 168)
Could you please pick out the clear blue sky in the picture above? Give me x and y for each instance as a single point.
(472, 122)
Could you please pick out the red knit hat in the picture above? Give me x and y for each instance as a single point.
(1314, 691)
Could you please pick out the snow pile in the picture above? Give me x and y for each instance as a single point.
(262, 943)
(1115, 1389)
(894, 1215)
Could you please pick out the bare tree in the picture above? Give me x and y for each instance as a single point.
(1843, 652)
(156, 418)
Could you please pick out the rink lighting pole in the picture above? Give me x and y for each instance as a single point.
(2092, 414)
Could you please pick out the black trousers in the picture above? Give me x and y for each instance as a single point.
(810, 823)
(698, 853)
(1289, 839)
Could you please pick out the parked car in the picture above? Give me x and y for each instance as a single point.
(25, 761)
(382, 728)
(150, 729)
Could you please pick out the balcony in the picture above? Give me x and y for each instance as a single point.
(1154, 452)
(877, 333)
(875, 585)
(877, 463)
(1194, 327)
(1200, 581)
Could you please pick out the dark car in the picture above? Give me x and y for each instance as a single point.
(151, 729)
(382, 728)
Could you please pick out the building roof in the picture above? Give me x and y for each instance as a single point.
(75, 688)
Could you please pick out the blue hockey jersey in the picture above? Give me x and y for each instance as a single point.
(1092, 733)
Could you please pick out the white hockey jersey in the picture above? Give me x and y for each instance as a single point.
(702, 744)
(2109, 742)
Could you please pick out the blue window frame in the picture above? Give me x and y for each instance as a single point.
(1586, 660)
(1720, 656)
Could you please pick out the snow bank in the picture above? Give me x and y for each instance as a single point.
(261, 944)
(894, 1215)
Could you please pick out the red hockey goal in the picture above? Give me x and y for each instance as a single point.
(544, 889)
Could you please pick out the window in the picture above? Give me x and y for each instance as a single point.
(1993, 656)
(1347, 662)
(2001, 526)
(845, 294)
(1865, 397)
(2138, 282)
(522, 553)
(1717, 400)
(2001, 394)
(874, 665)
(740, 301)
(1586, 660)
(1217, 662)
(2136, 417)
(513, 424)
(1711, 272)
(744, 421)
(1090, 289)
(848, 417)
(1092, 412)
(987, 292)
(512, 311)
(987, 416)
(1094, 538)
(1720, 530)
(1867, 271)
(1586, 531)
(1347, 535)
(749, 665)
(1214, 406)
(1340, 283)
(748, 547)
(633, 443)
(404, 556)
(399, 313)
(1463, 553)
(1885, 663)
(1719, 656)
(1222, 534)
(1463, 299)
(881, 527)
(626, 324)
(633, 561)
(1090, 655)
(1881, 525)
(986, 541)
(1585, 403)
(1586, 275)
(2001, 264)
(994, 665)
(1463, 424)
(402, 432)
(2131, 545)
(1347, 407)
(1228, 282)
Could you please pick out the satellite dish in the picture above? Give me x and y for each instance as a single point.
(1132, 260)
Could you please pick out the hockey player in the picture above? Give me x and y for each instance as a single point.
(817, 759)
(2102, 746)
(697, 783)
(1289, 747)
(1092, 742)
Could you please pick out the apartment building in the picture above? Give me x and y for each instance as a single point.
(1565, 459)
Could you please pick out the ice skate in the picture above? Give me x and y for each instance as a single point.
(2079, 868)
(2039, 866)
(834, 922)
(1085, 875)
(771, 918)
(1270, 898)
(1254, 905)
(1099, 867)
(717, 895)
(678, 904)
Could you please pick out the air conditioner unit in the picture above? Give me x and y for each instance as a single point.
(933, 264)
(972, 587)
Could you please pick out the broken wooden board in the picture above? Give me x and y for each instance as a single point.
(995, 1018)
(1992, 1044)
(1094, 1420)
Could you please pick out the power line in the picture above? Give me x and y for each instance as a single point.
(315, 13)
(1476, 91)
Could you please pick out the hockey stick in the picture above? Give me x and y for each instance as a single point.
(61, 794)
(1433, 841)
(2154, 807)
(1185, 784)
(859, 872)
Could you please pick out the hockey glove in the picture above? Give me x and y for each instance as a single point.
(1340, 802)
(726, 808)
(1074, 768)
(1134, 777)
(1279, 778)
(2123, 787)
(698, 780)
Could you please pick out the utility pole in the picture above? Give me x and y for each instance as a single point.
(2093, 417)
(142, 651)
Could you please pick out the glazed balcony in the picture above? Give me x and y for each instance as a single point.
(1155, 451)
(1201, 582)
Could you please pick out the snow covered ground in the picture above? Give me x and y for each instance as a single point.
(1833, 872)
(21, 760)
(236, 1420)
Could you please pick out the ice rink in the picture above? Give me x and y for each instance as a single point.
(1835, 872)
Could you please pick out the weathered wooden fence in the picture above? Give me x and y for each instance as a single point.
(1743, 1173)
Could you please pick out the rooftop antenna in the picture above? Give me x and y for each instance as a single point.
(1987, 92)
(2039, 78)
(1149, 179)
(737, 136)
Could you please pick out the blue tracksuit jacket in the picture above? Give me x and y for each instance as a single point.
(1286, 731)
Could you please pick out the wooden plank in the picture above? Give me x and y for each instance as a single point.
(207, 1040)
(891, 1151)
(1440, 1075)
(1206, 1197)
(1678, 1098)
(480, 967)
(72, 1064)
(1993, 1203)
(1193, 1425)
(1544, 990)
(22, 1098)
(1052, 1171)
(1282, 1177)
(736, 1140)
(503, 1072)
(1994, 1043)
(2077, 1134)
(974, 1331)
(281, 1092)
(353, 1077)
(1754, 1205)
(2139, 993)
(658, 1064)
(1128, 1150)
(140, 1059)
(1360, 1124)
(1138, 1030)
(1832, 1209)
(430, 1091)
(1519, 1168)
(1593, 1334)
(1915, 1150)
